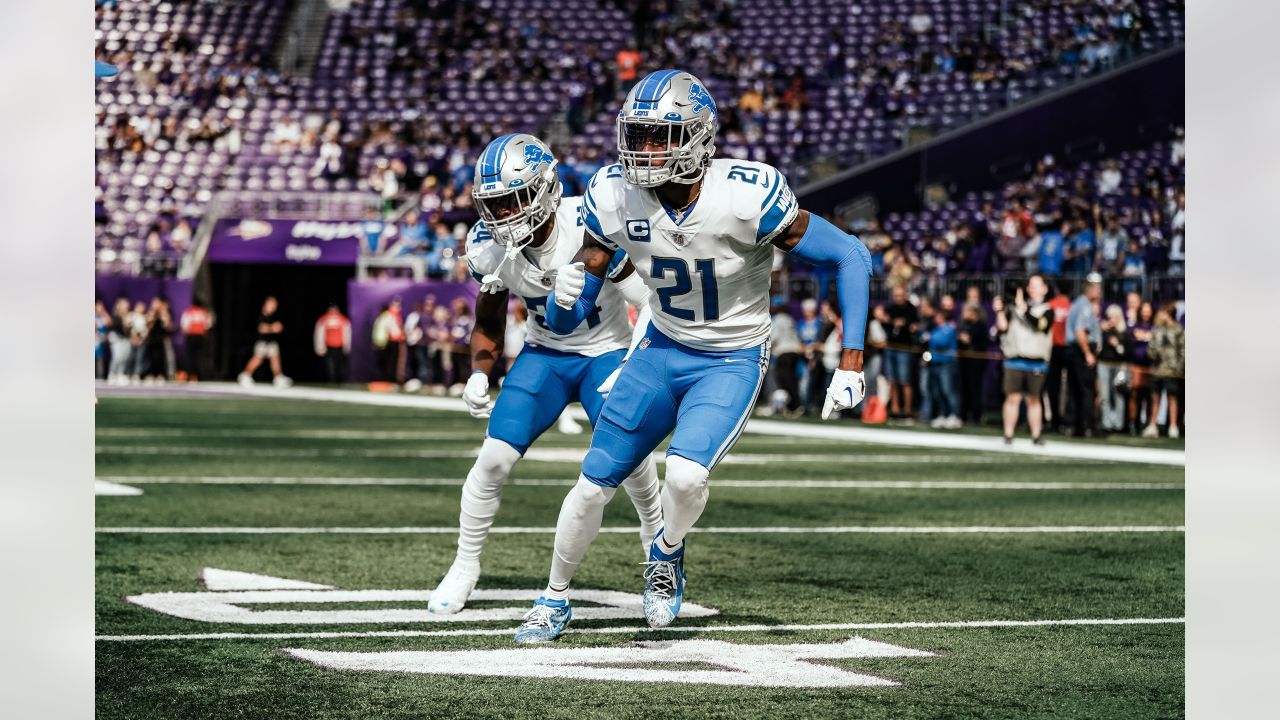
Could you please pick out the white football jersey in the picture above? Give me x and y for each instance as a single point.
(709, 273)
(532, 275)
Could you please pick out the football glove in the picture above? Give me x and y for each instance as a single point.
(571, 280)
(846, 390)
(607, 385)
(476, 395)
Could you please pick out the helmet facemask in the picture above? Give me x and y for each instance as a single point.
(687, 150)
(512, 215)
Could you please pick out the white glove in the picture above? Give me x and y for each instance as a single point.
(571, 280)
(607, 385)
(476, 395)
(846, 390)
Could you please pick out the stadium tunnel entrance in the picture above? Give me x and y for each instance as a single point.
(236, 292)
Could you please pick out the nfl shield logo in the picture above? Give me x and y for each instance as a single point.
(679, 238)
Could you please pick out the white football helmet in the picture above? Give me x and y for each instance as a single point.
(516, 188)
(666, 129)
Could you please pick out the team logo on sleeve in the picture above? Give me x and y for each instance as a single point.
(638, 230)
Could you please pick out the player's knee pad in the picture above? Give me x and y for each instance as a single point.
(685, 478)
(590, 494)
(493, 464)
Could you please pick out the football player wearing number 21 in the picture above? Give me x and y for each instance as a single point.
(700, 232)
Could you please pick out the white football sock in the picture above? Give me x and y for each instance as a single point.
(642, 487)
(577, 527)
(684, 495)
(481, 496)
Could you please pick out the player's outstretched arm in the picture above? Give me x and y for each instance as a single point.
(486, 349)
(812, 239)
(577, 286)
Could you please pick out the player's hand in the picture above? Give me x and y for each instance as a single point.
(476, 395)
(607, 385)
(571, 280)
(846, 390)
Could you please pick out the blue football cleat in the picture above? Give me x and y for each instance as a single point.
(664, 585)
(544, 622)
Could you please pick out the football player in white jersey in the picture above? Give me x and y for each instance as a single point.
(701, 233)
(527, 231)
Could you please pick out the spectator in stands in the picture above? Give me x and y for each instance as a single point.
(412, 236)
(1168, 365)
(942, 372)
(158, 345)
(373, 230)
(267, 346)
(921, 22)
(101, 327)
(873, 354)
(1052, 249)
(137, 324)
(812, 331)
(196, 322)
(1084, 339)
(1060, 303)
(459, 344)
(1141, 323)
(332, 342)
(904, 322)
(118, 339)
(1113, 242)
(388, 342)
(786, 351)
(1080, 250)
(1025, 340)
(1109, 178)
(972, 341)
(920, 344)
(438, 347)
(1111, 368)
(1016, 230)
(627, 62)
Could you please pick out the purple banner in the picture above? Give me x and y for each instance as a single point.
(285, 241)
(365, 301)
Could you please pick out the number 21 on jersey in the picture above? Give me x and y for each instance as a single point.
(706, 271)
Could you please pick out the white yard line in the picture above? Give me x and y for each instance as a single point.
(886, 436)
(573, 455)
(636, 629)
(500, 530)
(716, 482)
(105, 487)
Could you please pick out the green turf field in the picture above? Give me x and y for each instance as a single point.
(806, 542)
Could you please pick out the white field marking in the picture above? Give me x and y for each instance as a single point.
(555, 455)
(104, 487)
(749, 665)
(718, 483)
(224, 607)
(886, 436)
(500, 530)
(271, 433)
(216, 579)
(639, 629)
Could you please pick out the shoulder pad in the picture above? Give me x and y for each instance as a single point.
(752, 186)
(483, 254)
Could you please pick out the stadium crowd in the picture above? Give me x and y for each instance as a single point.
(405, 92)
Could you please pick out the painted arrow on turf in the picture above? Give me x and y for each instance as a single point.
(711, 662)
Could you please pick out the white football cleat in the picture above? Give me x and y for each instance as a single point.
(451, 595)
